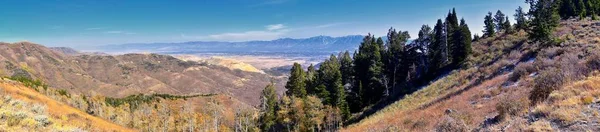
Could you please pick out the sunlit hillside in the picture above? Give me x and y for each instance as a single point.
(494, 93)
(24, 109)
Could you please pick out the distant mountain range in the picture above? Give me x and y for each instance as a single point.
(323, 44)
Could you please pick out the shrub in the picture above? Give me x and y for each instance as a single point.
(552, 52)
(27, 81)
(522, 69)
(514, 55)
(570, 67)
(509, 107)
(42, 120)
(593, 61)
(542, 63)
(38, 109)
(548, 81)
(63, 92)
(451, 125)
(15, 119)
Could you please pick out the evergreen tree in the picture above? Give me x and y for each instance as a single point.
(577, 8)
(476, 37)
(507, 26)
(368, 70)
(394, 66)
(521, 21)
(425, 38)
(499, 19)
(268, 106)
(463, 48)
(296, 86)
(332, 79)
(311, 80)
(437, 49)
(544, 20)
(451, 25)
(346, 68)
(490, 27)
(422, 48)
(567, 9)
(581, 9)
(323, 94)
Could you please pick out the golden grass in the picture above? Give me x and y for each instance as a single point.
(540, 126)
(566, 106)
(68, 115)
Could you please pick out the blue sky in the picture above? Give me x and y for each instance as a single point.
(81, 23)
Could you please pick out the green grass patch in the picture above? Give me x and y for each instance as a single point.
(135, 100)
(35, 84)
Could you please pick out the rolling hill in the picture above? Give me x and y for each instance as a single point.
(123, 75)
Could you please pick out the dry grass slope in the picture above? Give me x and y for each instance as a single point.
(493, 94)
(46, 114)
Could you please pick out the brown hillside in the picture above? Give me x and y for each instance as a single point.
(122, 75)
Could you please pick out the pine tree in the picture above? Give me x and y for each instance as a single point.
(521, 21)
(311, 80)
(425, 38)
(346, 68)
(437, 49)
(463, 50)
(544, 20)
(451, 25)
(490, 27)
(499, 19)
(332, 79)
(567, 9)
(507, 26)
(368, 69)
(393, 61)
(422, 47)
(296, 86)
(581, 9)
(476, 37)
(268, 108)
(323, 94)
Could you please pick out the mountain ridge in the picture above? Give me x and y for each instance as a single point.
(312, 44)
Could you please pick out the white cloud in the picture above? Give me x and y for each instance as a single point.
(330, 25)
(275, 27)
